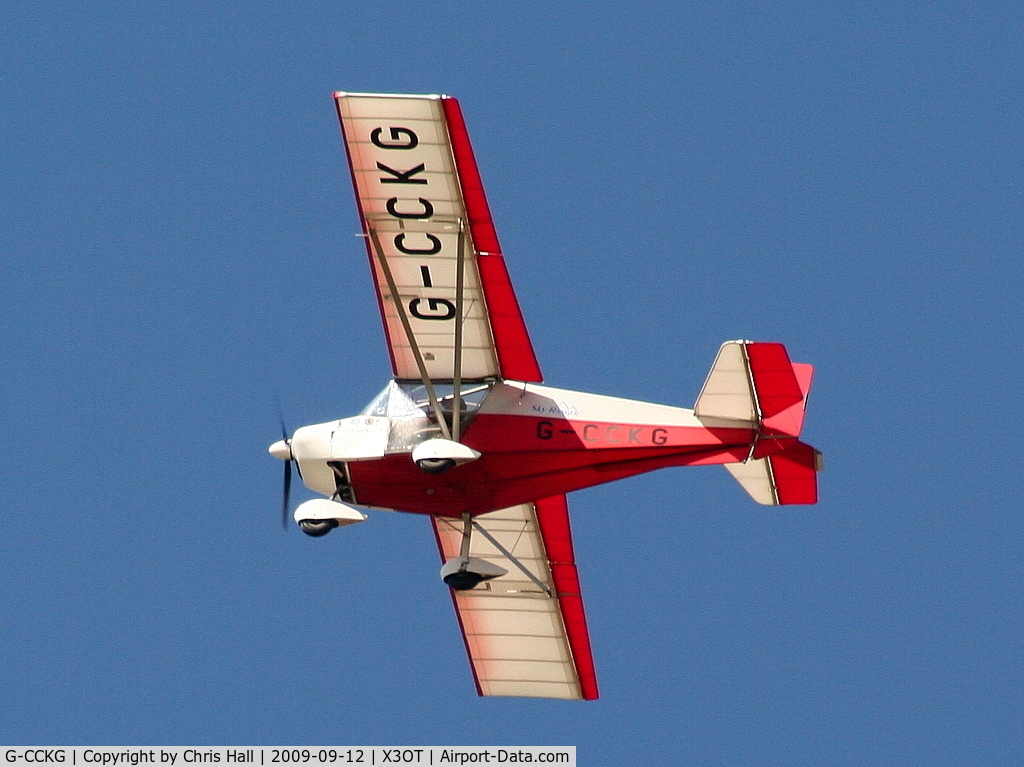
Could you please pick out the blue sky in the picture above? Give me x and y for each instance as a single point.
(177, 237)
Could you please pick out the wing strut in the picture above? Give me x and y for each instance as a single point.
(512, 558)
(407, 326)
(460, 280)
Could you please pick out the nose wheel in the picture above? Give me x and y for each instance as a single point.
(317, 527)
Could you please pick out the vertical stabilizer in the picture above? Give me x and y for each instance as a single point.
(728, 393)
(756, 383)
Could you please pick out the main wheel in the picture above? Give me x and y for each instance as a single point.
(317, 527)
(435, 465)
(463, 580)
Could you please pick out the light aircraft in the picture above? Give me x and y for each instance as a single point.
(466, 433)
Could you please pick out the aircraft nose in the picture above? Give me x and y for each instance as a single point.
(281, 449)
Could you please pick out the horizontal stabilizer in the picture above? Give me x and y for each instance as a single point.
(787, 477)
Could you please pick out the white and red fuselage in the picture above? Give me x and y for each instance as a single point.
(534, 441)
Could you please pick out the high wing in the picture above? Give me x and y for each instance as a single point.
(450, 315)
(525, 631)
(433, 249)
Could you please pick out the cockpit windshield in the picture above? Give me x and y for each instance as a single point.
(393, 402)
(412, 420)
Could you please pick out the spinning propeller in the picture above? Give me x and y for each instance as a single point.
(283, 449)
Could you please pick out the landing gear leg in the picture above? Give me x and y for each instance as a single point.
(464, 572)
(461, 579)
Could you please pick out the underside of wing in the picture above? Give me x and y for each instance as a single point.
(445, 296)
(525, 631)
